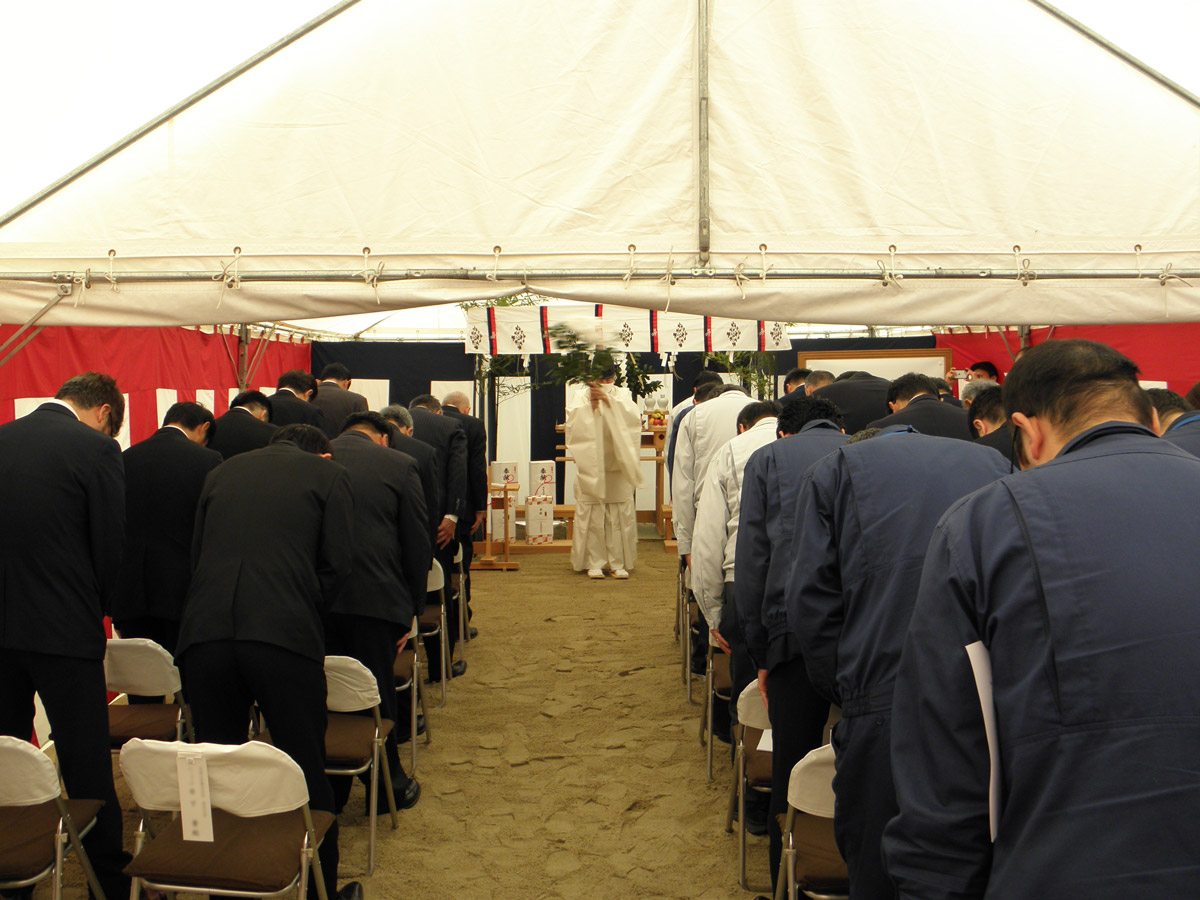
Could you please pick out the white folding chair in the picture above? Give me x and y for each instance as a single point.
(37, 825)
(433, 621)
(718, 685)
(407, 673)
(354, 744)
(811, 859)
(752, 766)
(142, 667)
(265, 836)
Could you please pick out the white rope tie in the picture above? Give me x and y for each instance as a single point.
(1024, 273)
(739, 277)
(1167, 275)
(495, 263)
(111, 276)
(762, 273)
(668, 278)
(889, 272)
(1137, 256)
(629, 273)
(85, 282)
(229, 274)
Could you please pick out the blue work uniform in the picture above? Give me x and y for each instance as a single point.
(1080, 578)
(863, 522)
(762, 560)
(1185, 432)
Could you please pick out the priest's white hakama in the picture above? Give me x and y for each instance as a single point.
(606, 444)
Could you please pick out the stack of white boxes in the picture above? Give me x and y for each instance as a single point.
(539, 505)
(504, 473)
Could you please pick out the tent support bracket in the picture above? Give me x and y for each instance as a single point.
(17, 349)
(260, 353)
(1099, 39)
(186, 103)
(702, 198)
(64, 290)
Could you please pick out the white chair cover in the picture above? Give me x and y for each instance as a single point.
(437, 578)
(751, 710)
(810, 786)
(458, 553)
(349, 685)
(139, 666)
(27, 775)
(252, 779)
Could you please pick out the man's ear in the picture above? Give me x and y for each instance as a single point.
(1156, 422)
(981, 427)
(1029, 451)
(325, 455)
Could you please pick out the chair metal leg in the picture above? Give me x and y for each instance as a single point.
(464, 633)
(373, 806)
(709, 704)
(412, 721)
(733, 794)
(740, 775)
(786, 882)
(444, 637)
(77, 843)
(314, 857)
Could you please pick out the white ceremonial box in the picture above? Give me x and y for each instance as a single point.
(542, 477)
(539, 519)
(505, 473)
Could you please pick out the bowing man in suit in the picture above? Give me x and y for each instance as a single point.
(247, 426)
(457, 406)
(449, 442)
(335, 398)
(913, 399)
(860, 397)
(372, 616)
(290, 404)
(400, 439)
(62, 487)
(163, 478)
(273, 546)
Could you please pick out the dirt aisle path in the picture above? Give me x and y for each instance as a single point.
(566, 763)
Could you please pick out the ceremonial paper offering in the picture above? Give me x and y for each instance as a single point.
(497, 513)
(539, 519)
(542, 477)
(195, 807)
(505, 473)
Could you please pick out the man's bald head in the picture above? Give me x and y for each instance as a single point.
(459, 401)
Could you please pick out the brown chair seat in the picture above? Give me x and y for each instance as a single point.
(152, 721)
(758, 762)
(259, 855)
(722, 680)
(819, 865)
(348, 739)
(27, 835)
(406, 661)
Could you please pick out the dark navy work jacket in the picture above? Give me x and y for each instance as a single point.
(764, 539)
(1080, 577)
(1185, 432)
(863, 522)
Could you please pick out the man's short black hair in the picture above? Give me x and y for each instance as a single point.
(729, 389)
(189, 416)
(425, 401)
(308, 438)
(1071, 382)
(92, 390)
(795, 377)
(989, 406)
(706, 376)
(910, 385)
(798, 413)
(942, 385)
(707, 391)
(754, 412)
(864, 435)
(1166, 402)
(297, 380)
(985, 366)
(850, 373)
(818, 379)
(251, 399)
(371, 420)
(336, 371)
(1192, 397)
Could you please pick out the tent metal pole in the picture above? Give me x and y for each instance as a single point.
(260, 353)
(702, 197)
(64, 290)
(243, 366)
(533, 276)
(175, 110)
(1116, 51)
(21, 346)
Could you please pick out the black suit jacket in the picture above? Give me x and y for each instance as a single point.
(1001, 439)
(164, 475)
(861, 399)
(449, 442)
(391, 532)
(426, 460)
(929, 415)
(238, 431)
(477, 463)
(336, 403)
(288, 409)
(62, 532)
(272, 549)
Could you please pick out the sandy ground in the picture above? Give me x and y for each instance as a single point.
(566, 763)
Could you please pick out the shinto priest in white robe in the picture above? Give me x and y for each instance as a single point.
(606, 445)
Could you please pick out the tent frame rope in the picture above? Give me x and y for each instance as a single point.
(186, 103)
(1099, 39)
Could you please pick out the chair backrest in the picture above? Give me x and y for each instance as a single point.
(458, 554)
(349, 685)
(810, 786)
(750, 708)
(139, 666)
(437, 578)
(252, 779)
(27, 775)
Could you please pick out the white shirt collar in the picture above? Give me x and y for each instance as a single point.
(65, 404)
(181, 431)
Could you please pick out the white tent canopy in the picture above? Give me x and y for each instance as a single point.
(476, 147)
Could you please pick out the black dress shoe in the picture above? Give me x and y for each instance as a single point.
(405, 799)
(403, 736)
(351, 890)
(457, 668)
